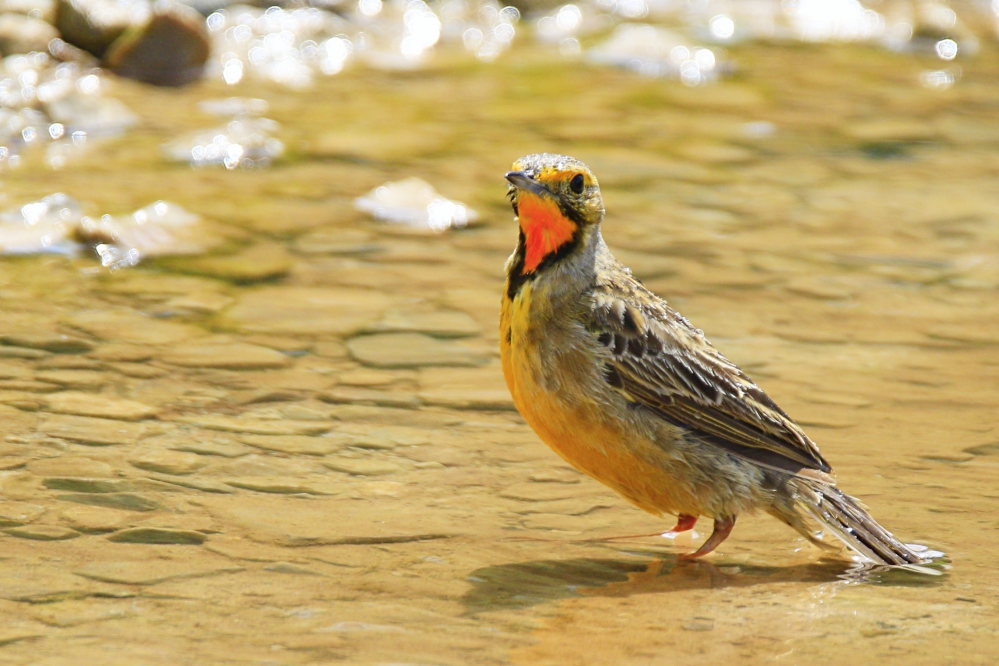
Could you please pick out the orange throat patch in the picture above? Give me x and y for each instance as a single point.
(545, 228)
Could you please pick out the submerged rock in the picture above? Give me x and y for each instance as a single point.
(45, 226)
(55, 224)
(411, 350)
(159, 229)
(169, 49)
(414, 203)
(306, 311)
(245, 143)
(655, 52)
(56, 105)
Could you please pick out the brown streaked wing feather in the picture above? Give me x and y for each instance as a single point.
(659, 360)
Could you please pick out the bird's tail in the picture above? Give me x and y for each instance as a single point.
(842, 517)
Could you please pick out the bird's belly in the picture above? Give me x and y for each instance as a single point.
(590, 439)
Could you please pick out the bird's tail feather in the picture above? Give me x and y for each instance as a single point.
(842, 517)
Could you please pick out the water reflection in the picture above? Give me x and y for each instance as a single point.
(525, 584)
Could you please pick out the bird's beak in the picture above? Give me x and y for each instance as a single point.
(522, 181)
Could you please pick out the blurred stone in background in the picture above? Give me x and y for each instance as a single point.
(93, 25)
(168, 49)
(24, 34)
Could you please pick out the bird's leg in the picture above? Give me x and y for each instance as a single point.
(684, 522)
(723, 527)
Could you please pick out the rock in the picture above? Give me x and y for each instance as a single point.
(165, 461)
(443, 324)
(150, 571)
(115, 352)
(53, 342)
(169, 49)
(194, 483)
(224, 449)
(94, 24)
(390, 144)
(337, 241)
(367, 377)
(812, 287)
(540, 492)
(231, 356)
(129, 326)
(79, 484)
(257, 426)
(71, 466)
(654, 51)
(198, 303)
(888, 130)
(44, 10)
(465, 388)
(289, 568)
(296, 444)
(76, 612)
(87, 404)
(12, 462)
(138, 370)
(63, 362)
(414, 203)
(97, 432)
(127, 501)
(384, 438)
(307, 311)
(409, 350)
(13, 514)
(23, 34)
(264, 261)
(94, 115)
(497, 399)
(94, 519)
(243, 142)
(21, 352)
(556, 476)
(969, 334)
(282, 485)
(43, 226)
(14, 370)
(42, 532)
(86, 379)
(370, 397)
(158, 535)
(290, 522)
(361, 467)
(158, 230)
(715, 153)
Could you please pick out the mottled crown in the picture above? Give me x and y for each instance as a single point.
(542, 166)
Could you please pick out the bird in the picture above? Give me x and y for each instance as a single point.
(627, 391)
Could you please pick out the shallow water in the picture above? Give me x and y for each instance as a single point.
(308, 454)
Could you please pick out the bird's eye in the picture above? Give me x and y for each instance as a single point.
(576, 184)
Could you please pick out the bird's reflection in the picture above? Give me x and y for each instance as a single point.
(525, 584)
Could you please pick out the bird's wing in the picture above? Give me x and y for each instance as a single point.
(657, 359)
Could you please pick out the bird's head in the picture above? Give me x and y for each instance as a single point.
(557, 202)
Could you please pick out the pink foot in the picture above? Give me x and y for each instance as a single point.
(723, 527)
